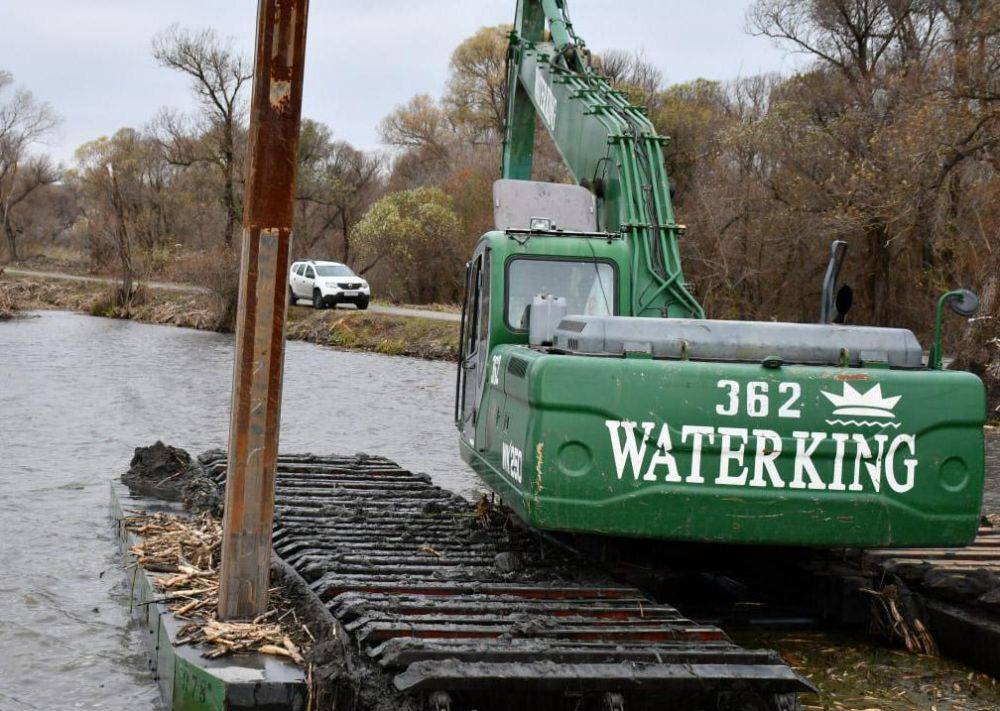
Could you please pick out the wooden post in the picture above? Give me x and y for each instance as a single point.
(275, 114)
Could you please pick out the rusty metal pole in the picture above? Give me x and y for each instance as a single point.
(275, 114)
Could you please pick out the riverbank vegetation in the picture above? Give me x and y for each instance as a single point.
(8, 307)
(340, 328)
(887, 136)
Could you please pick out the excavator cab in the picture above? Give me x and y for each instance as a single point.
(586, 284)
(595, 396)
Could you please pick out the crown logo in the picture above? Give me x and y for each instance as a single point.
(870, 404)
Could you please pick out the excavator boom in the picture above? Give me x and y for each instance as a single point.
(610, 147)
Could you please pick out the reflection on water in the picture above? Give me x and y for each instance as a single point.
(77, 394)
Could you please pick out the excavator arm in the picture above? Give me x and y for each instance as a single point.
(610, 147)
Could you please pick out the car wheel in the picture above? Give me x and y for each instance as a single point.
(317, 300)
(292, 298)
(362, 304)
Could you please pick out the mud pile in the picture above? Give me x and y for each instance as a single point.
(164, 472)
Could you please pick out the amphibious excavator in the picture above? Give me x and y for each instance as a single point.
(595, 396)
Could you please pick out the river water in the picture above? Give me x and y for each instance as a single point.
(77, 394)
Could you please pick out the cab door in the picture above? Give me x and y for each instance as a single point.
(475, 338)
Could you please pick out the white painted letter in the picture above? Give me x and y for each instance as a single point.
(729, 454)
(865, 452)
(911, 464)
(662, 455)
(630, 452)
(838, 462)
(697, 432)
(803, 460)
(765, 461)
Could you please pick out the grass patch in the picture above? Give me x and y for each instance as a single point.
(378, 333)
(439, 308)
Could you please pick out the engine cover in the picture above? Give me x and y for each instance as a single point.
(739, 341)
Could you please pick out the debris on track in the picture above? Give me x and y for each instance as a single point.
(856, 673)
(895, 617)
(968, 576)
(183, 553)
(446, 604)
(943, 599)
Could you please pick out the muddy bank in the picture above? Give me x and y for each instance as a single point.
(363, 331)
(185, 310)
(416, 337)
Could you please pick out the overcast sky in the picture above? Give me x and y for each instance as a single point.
(90, 59)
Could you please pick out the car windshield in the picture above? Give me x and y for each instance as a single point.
(334, 270)
(587, 286)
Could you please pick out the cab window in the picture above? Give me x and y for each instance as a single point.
(310, 273)
(589, 287)
(472, 306)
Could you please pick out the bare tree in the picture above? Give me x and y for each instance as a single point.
(123, 238)
(855, 37)
(118, 197)
(47, 215)
(419, 124)
(342, 182)
(32, 174)
(218, 76)
(23, 122)
(630, 70)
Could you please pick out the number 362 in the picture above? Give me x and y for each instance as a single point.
(757, 399)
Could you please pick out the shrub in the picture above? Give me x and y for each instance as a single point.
(413, 240)
(218, 271)
(112, 302)
(156, 259)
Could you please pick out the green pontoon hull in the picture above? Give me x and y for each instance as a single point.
(732, 452)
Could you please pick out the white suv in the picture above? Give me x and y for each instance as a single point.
(327, 284)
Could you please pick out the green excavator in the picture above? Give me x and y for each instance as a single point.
(595, 396)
